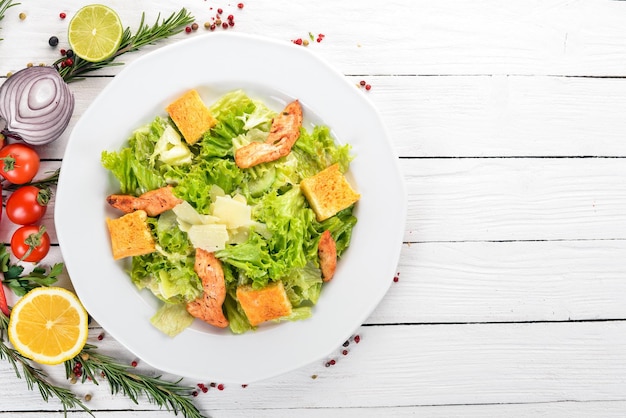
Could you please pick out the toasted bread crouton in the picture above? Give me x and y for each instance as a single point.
(328, 192)
(191, 116)
(130, 235)
(265, 304)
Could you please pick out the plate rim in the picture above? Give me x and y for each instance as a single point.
(401, 208)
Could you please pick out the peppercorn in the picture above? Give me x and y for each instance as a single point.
(194, 26)
(22, 16)
(69, 53)
(53, 41)
(62, 15)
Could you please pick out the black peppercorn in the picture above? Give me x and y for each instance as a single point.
(53, 41)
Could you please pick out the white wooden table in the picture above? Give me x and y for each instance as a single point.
(509, 120)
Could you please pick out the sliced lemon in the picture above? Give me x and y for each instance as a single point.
(48, 325)
(95, 32)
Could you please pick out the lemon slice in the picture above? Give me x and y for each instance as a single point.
(95, 32)
(48, 325)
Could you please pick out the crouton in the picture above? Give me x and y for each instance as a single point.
(130, 235)
(265, 304)
(328, 192)
(191, 116)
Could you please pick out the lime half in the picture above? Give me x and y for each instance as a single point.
(95, 32)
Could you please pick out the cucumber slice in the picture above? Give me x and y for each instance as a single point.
(257, 185)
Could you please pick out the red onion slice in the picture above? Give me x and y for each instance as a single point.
(36, 105)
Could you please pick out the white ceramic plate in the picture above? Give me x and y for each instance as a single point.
(275, 72)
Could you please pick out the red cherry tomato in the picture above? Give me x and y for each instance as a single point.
(27, 205)
(30, 243)
(19, 163)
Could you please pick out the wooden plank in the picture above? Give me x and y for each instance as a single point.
(508, 199)
(444, 37)
(473, 116)
(502, 115)
(607, 409)
(514, 199)
(506, 281)
(413, 366)
(476, 282)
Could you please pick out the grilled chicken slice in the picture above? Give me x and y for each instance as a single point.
(153, 202)
(284, 132)
(327, 252)
(208, 307)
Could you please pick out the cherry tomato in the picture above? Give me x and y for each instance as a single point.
(30, 243)
(27, 205)
(19, 163)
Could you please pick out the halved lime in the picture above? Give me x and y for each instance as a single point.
(95, 32)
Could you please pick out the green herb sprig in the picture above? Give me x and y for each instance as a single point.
(170, 395)
(94, 366)
(4, 6)
(21, 284)
(145, 35)
(51, 180)
(35, 376)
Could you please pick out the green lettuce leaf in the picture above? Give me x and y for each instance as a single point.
(131, 165)
(172, 318)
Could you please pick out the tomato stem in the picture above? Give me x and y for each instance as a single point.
(33, 241)
(9, 162)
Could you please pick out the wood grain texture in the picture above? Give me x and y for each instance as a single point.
(507, 118)
(515, 199)
(554, 37)
(419, 366)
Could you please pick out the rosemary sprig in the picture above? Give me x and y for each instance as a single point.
(4, 6)
(170, 395)
(51, 180)
(35, 376)
(145, 35)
